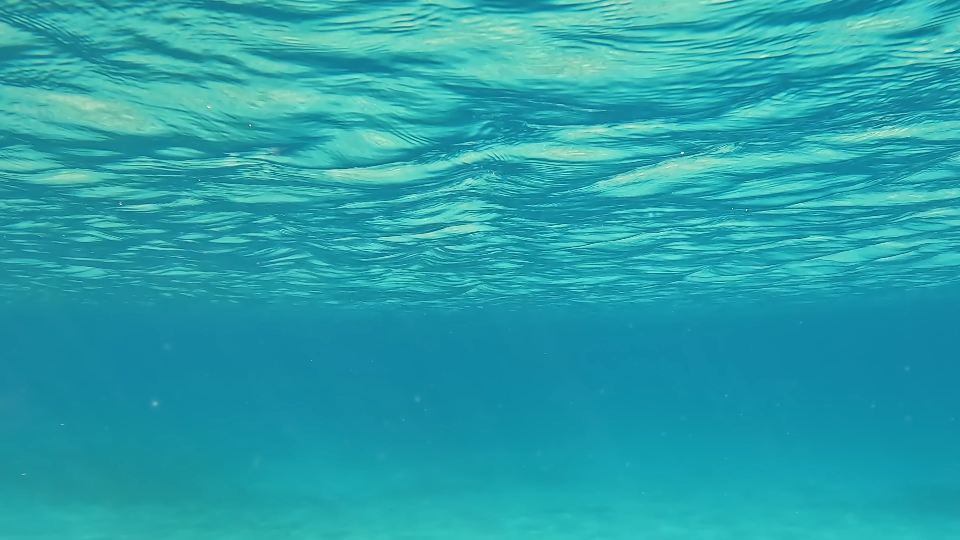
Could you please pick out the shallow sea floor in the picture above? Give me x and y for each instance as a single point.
(847, 499)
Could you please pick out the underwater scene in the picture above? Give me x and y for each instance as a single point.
(479, 269)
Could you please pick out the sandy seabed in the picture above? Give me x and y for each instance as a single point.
(719, 512)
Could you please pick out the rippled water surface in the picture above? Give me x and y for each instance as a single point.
(457, 153)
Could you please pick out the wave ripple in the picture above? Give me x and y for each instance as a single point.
(454, 153)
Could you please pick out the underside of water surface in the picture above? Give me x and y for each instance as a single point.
(460, 154)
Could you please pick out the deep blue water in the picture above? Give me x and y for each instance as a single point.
(820, 422)
(473, 270)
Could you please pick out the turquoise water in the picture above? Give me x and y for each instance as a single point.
(472, 270)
